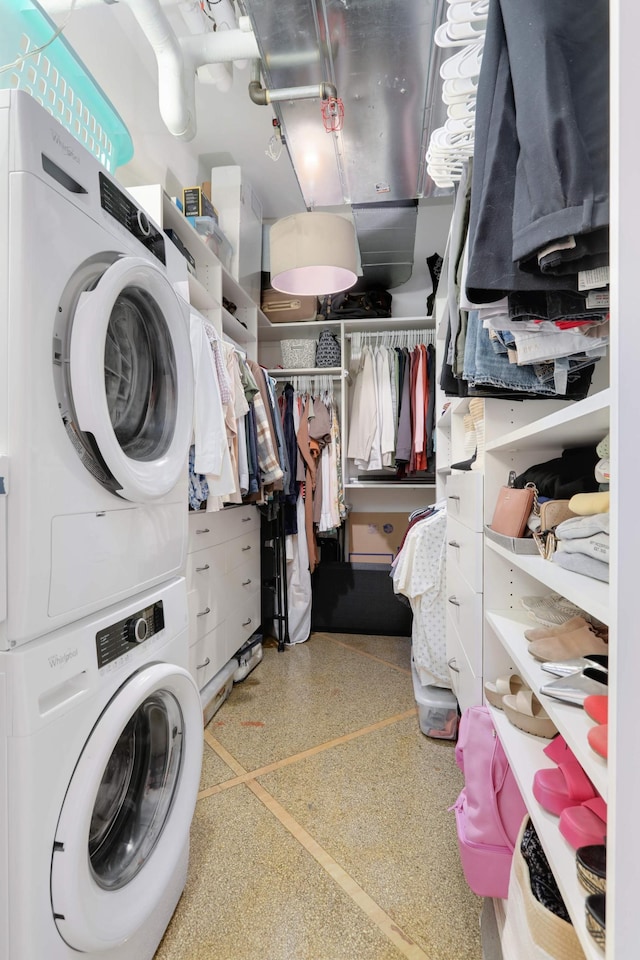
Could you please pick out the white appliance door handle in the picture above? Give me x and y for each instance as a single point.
(139, 480)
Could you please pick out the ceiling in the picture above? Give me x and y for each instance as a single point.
(378, 53)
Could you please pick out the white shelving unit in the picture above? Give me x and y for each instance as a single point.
(366, 495)
(212, 280)
(525, 756)
(519, 436)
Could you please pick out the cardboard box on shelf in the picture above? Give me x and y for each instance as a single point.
(375, 537)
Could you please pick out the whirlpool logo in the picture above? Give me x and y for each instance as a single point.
(60, 659)
(66, 149)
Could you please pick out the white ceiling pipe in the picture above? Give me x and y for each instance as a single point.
(176, 89)
(219, 47)
(179, 59)
(224, 14)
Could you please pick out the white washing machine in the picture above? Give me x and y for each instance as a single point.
(96, 404)
(100, 757)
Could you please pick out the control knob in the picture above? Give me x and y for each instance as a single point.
(141, 227)
(137, 630)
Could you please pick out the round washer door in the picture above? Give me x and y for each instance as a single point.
(126, 816)
(131, 376)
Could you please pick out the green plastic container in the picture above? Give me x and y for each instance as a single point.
(57, 78)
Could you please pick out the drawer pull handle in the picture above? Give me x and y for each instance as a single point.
(450, 664)
(200, 569)
(246, 622)
(247, 519)
(454, 543)
(453, 496)
(204, 612)
(205, 664)
(453, 600)
(245, 583)
(244, 549)
(206, 530)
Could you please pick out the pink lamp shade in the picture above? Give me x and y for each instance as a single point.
(313, 254)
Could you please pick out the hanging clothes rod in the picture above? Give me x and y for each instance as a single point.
(393, 336)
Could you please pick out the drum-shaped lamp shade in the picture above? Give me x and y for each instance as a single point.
(312, 254)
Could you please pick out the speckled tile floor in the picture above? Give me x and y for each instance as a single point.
(322, 830)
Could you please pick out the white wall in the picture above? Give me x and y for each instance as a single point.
(434, 217)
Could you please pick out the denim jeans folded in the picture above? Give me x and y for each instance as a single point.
(550, 305)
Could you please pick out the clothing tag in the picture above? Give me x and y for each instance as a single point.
(587, 279)
(597, 298)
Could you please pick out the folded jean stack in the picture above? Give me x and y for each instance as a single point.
(523, 294)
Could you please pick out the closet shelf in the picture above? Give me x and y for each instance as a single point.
(583, 422)
(234, 329)
(388, 485)
(589, 594)
(364, 324)
(336, 373)
(525, 755)
(272, 332)
(572, 722)
(199, 296)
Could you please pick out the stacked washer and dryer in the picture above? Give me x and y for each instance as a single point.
(100, 720)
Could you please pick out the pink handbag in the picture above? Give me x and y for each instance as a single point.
(489, 809)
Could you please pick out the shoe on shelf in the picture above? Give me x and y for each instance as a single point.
(563, 787)
(597, 707)
(525, 712)
(577, 687)
(503, 687)
(552, 609)
(578, 643)
(565, 668)
(540, 633)
(591, 866)
(585, 824)
(598, 738)
(595, 908)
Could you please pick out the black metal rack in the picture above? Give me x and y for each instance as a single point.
(275, 602)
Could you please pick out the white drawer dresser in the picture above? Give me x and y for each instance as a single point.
(464, 492)
(223, 581)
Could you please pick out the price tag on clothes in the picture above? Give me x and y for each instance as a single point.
(588, 279)
(598, 298)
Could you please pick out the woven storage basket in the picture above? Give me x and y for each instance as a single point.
(297, 354)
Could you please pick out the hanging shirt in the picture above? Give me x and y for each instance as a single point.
(211, 456)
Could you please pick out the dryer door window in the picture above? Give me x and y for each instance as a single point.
(136, 792)
(129, 380)
(124, 824)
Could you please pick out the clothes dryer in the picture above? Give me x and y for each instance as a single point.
(96, 407)
(100, 750)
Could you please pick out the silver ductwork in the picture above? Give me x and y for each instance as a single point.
(381, 58)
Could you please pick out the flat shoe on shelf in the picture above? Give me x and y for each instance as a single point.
(503, 686)
(525, 712)
(565, 668)
(598, 738)
(539, 633)
(591, 867)
(551, 609)
(597, 707)
(577, 643)
(576, 688)
(586, 824)
(595, 909)
(564, 787)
